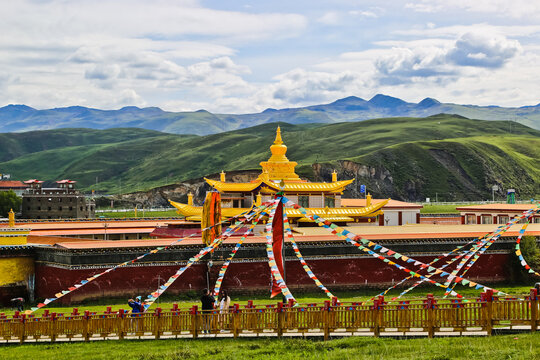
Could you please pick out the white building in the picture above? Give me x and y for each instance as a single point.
(395, 212)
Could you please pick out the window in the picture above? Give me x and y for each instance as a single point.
(70, 208)
(487, 219)
(39, 207)
(470, 219)
(503, 219)
(49, 208)
(60, 208)
(330, 202)
(303, 201)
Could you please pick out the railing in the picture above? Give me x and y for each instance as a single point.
(426, 316)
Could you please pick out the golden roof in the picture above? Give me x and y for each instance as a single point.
(195, 212)
(271, 187)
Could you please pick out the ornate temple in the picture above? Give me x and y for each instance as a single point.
(278, 173)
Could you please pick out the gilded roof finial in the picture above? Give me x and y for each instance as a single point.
(278, 140)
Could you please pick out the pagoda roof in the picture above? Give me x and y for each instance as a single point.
(194, 212)
(290, 186)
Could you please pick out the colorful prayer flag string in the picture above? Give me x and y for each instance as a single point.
(96, 276)
(152, 297)
(271, 258)
(226, 264)
(298, 254)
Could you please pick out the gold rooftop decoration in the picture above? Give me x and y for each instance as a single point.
(278, 174)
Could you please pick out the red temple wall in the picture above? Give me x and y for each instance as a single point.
(245, 277)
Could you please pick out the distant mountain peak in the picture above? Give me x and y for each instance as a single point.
(428, 102)
(348, 100)
(270, 110)
(131, 107)
(17, 107)
(386, 101)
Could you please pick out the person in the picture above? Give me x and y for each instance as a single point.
(207, 305)
(136, 306)
(224, 304)
(18, 303)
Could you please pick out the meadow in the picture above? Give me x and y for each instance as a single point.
(521, 346)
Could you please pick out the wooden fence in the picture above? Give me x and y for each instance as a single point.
(427, 316)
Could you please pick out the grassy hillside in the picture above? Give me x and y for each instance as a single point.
(13, 145)
(433, 153)
(463, 168)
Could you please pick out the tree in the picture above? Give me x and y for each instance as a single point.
(530, 251)
(9, 200)
(531, 254)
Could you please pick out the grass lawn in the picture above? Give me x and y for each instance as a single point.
(186, 301)
(522, 346)
(439, 209)
(140, 214)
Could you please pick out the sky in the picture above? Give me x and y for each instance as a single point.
(247, 56)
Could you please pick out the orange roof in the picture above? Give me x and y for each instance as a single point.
(497, 207)
(98, 231)
(112, 224)
(98, 244)
(12, 184)
(33, 181)
(51, 240)
(392, 204)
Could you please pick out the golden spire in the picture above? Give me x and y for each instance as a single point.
(222, 176)
(190, 198)
(11, 218)
(278, 140)
(278, 167)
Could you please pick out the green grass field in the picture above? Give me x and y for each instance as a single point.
(439, 209)
(444, 153)
(140, 214)
(522, 346)
(187, 300)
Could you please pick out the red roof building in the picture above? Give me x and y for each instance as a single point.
(493, 213)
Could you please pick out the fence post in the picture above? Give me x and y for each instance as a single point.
(120, 324)
(326, 318)
(280, 314)
(194, 318)
(236, 320)
(157, 321)
(53, 326)
(534, 309)
(430, 305)
(22, 333)
(376, 320)
(86, 333)
(488, 297)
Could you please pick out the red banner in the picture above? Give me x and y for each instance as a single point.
(277, 246)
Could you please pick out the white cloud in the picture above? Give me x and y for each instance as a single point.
(481, 50)
(330, 18)
(503, 8)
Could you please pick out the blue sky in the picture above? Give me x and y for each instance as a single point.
(242, 56)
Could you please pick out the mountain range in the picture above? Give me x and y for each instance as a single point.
(405, 158)
(19, 118)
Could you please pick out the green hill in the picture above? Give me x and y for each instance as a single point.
(420, 156)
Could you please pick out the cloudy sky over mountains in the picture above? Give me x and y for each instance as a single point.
(242, 56)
